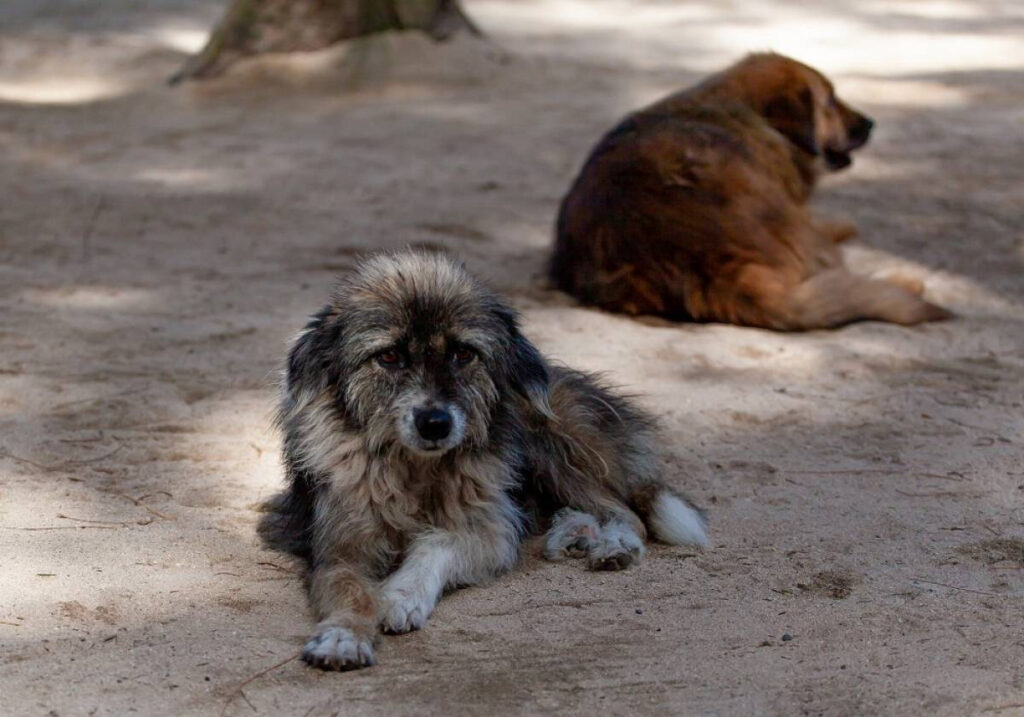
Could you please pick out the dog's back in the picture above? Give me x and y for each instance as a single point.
(693, 209)
(659, 220)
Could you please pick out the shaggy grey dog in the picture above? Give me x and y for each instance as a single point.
(424, 436)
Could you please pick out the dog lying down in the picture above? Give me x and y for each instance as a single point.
(424, 437)
(695, 209)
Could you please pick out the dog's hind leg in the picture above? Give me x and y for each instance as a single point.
(614, 544)
(619, 544)
(830, 299)
(572, 534)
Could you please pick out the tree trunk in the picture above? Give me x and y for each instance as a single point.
(251, 27)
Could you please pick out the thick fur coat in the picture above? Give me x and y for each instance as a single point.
(694, 208)
(425, 436)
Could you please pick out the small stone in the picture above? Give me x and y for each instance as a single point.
(786, 637)
(639, 611)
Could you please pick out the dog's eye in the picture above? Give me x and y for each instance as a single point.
(462, 356)
(389, 359)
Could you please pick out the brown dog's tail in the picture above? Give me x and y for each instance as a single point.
(837, 297)
(830, 299)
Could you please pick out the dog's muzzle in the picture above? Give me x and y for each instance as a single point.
(858, 130)
(433, 424)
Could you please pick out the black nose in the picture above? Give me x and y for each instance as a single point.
(861, 130)
(433, 424)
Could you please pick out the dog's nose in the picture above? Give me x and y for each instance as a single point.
(862, 130)
(433, 424)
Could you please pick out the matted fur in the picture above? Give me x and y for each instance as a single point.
(391, 515)
(694, 209)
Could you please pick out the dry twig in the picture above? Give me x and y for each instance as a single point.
(238, 690)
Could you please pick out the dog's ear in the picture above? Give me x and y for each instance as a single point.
(792, 114)
(530, 375)
(526, 369)
(312, 367)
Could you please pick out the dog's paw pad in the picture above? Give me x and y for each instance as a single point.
(615, 561)
(338, 648)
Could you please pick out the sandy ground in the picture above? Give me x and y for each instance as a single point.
(159, 247)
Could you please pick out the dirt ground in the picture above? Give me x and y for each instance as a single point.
(160, 246)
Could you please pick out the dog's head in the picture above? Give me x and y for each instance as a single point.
(416, 353)
(801, 104)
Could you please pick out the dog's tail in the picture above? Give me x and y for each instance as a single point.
(830, 299)
(839, 297)
(669, 516)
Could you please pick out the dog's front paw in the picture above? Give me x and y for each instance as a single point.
(404, 612)
(338, 648)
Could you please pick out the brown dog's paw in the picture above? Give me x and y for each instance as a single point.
(337, 648)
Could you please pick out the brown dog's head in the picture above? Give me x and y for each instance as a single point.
(801, 104)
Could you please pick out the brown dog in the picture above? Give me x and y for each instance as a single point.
(694, 209)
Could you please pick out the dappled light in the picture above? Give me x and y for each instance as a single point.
(208, 180)
(937, 10)
(64, 91)
(91, 298)
(701, 35)
(161, 246)
(185, 40)
(824, 43)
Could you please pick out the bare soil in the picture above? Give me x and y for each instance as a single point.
(159, 247)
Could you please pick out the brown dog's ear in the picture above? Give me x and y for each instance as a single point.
(793, 116)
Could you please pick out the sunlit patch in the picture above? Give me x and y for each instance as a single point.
(91, 297)
(186, 178)
(904, 93)
(585, 14)
(871, 168)
(937, 10)
(62, 91)
(180, 39)
(827, 44)
(703, 36)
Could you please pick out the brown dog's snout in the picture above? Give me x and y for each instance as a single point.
(860, 130)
